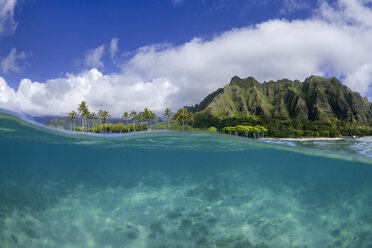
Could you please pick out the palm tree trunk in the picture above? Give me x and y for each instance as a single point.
(168, 123)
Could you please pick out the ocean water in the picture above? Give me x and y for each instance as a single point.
(180, 190)
(361, 147)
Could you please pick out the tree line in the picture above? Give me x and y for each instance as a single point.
(140, 122)
(246, 131)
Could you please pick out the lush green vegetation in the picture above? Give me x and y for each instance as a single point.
(140, 122)
(318, 107)
(182, 120)
(246, 131)
(253, 126)
(293, 128)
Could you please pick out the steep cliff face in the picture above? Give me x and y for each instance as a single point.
(317, 98)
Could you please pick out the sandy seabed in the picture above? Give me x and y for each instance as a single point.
(235, 210)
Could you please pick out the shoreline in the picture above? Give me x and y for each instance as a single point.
(312, 138)
(317, 138)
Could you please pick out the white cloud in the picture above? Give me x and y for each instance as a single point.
(290, 6)
(337, 41)
(7, 22)
(12, 61)
(117, 93)
(354, 12)
(113, 47)
(94, 56)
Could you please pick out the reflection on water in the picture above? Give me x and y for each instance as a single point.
(174, 190)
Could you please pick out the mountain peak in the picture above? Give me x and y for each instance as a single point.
(243, 83)
(316, 99)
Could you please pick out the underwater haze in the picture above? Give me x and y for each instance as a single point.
(177, 190)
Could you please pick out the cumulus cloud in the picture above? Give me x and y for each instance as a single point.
(94, 57)
(113, 47)
(12, 63)
(336, 42)
(7, 22)
(117, 93)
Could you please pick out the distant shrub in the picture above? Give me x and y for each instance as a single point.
(212, 129)
(161, 127)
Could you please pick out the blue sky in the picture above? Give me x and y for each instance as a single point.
(170, 53)
(56, 35)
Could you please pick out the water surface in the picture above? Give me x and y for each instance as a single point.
(177, 190)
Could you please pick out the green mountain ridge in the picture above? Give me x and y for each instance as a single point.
(315, 99)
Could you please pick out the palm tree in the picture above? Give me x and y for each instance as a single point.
(125, 116)
(168, 113)
(105, 116)
(148, 116)
(181, 116)
(70, 117)
(83, 112)
(133, 115)
(82, 108)
(101, 114)
(141, 117)
(86, 118)
(73, 115)
(93, 116)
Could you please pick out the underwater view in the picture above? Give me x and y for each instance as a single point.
(175, 189)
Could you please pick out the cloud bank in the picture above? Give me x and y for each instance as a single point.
(336, 41)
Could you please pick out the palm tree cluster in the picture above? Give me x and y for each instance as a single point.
(146, 115)
(184, 117)
(246, 131)
(85, 115)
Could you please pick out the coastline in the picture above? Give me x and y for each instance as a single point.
(311, 138)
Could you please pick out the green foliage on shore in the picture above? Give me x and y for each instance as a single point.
(212, 129)
(317, 107)
(278, 128)
(115, 128)
(246, 131)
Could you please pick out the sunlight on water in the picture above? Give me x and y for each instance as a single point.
(179, 190)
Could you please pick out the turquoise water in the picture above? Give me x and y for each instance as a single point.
(177, 190)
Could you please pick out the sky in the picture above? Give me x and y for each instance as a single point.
(124, 55)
